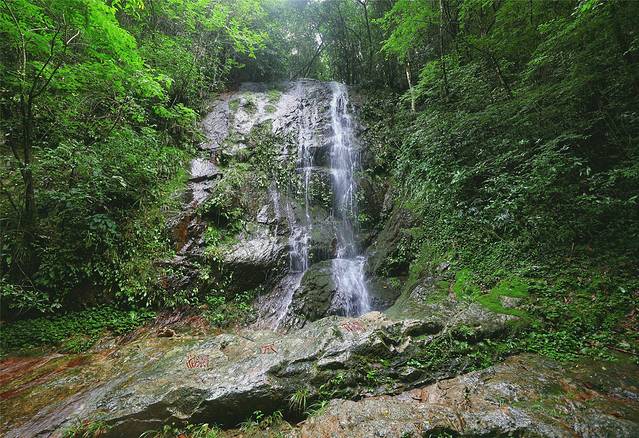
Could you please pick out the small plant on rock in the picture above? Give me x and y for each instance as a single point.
(298, 399)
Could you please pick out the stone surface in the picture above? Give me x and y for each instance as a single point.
(220, 379)
(202, 169)
(216, 379)
(223, 379)
(525, 396)
(255, 257)
(314, 299)
(432, 301)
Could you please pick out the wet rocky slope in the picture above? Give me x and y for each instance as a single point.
(273, 204)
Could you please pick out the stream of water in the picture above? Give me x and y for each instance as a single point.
(332, 128)
(348, 266)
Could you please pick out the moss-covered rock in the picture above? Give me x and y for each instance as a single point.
(525, 396)
(223, 379)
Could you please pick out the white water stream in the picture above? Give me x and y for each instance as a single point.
(348, 266)
(335, 126)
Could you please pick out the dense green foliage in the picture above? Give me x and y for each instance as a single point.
(521, 158)
(99, 102)
(73, 332)
(507, 130)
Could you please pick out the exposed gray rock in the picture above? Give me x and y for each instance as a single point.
(316, 296)
(313, 299)
(215, 125)
(525, 396)
(223, 379)
(255, 257)
(202, 169)
(220, 379)
(382, 292)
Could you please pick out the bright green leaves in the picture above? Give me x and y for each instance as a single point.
(133, 7)
(405, 22)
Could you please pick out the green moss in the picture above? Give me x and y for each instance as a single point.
(273, 95)
(250, 104)
(465, 289)
(270, 108)
(86, 429)
(439, 293)
(423, 258)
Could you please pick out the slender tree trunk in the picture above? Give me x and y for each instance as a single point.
(441, 48)
(370, 37)
(410, 86)
(29, 212)
(500, 75)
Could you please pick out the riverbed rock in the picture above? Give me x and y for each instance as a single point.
(526, 395)
(215, 379)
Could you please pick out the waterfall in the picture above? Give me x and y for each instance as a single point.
(300, 228)
(348, 266)
(328, 127)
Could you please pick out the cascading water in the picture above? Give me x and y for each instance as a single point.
(300, 230)
(316, 121)
(348, 266)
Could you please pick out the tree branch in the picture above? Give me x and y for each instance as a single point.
(57, 67)
(38, 75)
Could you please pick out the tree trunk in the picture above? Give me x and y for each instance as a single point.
(410, 87)
(370, 37)
(29, 213)
(441, 48)
(500, 75)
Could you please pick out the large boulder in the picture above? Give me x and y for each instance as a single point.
(313, 298)
(316, 297)
(215, 379)
(255, 259)
(524, 396)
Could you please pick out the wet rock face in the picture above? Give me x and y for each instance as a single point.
(220, 379)
(267, 179)
(223, 379)
(525, 396)
(380, 252)
(313, 299)
(316, 296)
(253, 257)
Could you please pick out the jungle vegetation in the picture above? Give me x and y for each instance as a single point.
(509, 130)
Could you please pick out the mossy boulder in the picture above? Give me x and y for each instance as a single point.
(526, 396)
